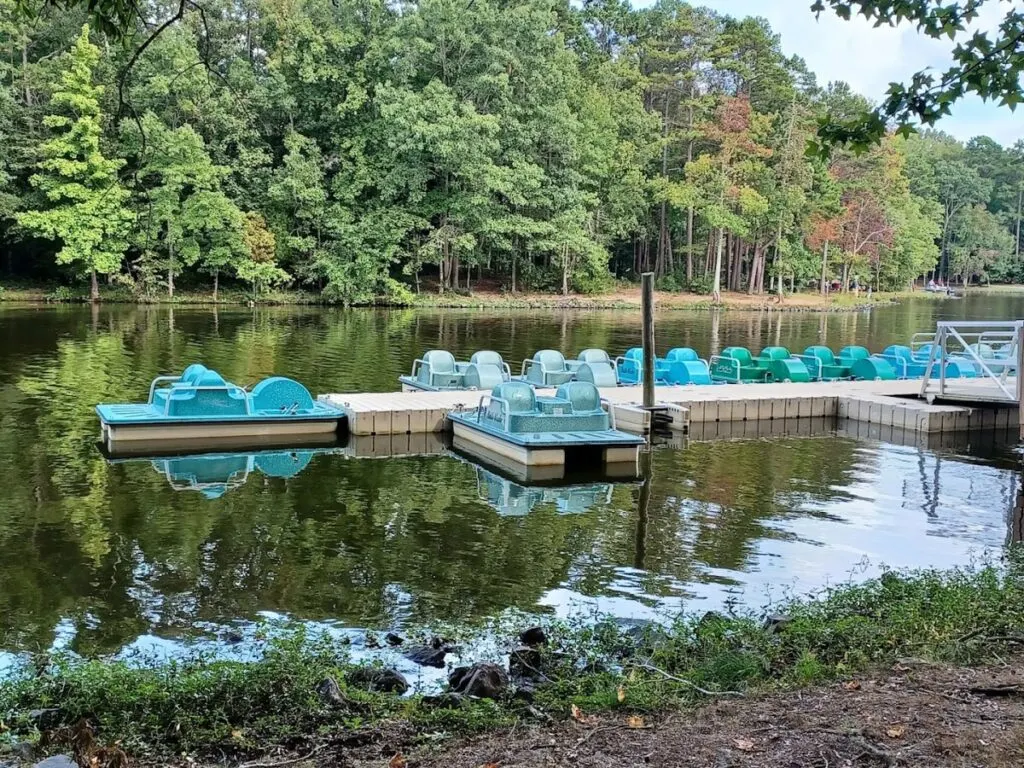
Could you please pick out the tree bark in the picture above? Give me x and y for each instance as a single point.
(24, 73)
(716, 285)
(170, 270)
(216, 284)
(1020, 199)
(824, 270)
(94, 288)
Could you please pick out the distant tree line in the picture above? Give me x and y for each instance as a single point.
(368, 149)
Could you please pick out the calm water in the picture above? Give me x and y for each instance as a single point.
(102, 557)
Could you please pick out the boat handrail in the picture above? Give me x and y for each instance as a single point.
(811, 360)
(506, 412)
(506, 371)
(925, 338)
(226, 387)
(733, 362)
(161, 380)
(610, 410)
(416, 364)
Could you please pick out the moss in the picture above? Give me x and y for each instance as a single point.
(209, 706)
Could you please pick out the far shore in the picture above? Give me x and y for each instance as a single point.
(626, 298)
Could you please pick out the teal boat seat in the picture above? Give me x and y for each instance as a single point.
(583, 396)
(686, 367)
(485, 371)
(630, 368)
(598, 373)
(437, 369)
(854, 353)
(903, 362)
(546, 368)
(209, 395)
(823, 365)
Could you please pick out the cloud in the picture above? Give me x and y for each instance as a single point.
(869, 58)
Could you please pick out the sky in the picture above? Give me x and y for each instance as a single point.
(870, 58)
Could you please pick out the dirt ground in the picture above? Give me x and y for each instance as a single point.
(914, 715)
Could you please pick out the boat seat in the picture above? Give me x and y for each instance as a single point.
(736, 365)
(854, 353)
(438, 369)
(599, 373)
(630, 367)
(582, 396)
(209, 396)
(546, 368)
(486, 357)
(686, 367)
(682, 355)
(822, 363)
(589, 357)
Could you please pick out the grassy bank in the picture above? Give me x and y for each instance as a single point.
(627, 298)
(234, 710)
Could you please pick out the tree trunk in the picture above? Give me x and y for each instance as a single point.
(565, 271)
(24, 73)
(689, 213)
(216, 284)
(824, 270)
(716, 285)
(170, 270)
(1020, 199)
(846, 277)
(513, 274)
(94, 288)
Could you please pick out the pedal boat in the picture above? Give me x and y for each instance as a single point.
(200, 405)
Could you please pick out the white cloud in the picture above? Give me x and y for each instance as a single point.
(869, 58)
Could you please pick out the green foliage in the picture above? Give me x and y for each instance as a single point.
(989, 67)
(83, 202)
(542, 145)
(204, 705)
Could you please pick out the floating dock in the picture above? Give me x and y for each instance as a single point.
(891, 404)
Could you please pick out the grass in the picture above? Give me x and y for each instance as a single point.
(209, 707)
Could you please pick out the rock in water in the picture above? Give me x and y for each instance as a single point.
(57, 761)
(533, 636)
(429, 655)
(393, 639)
(776, 622)
(483, 680)
(329, 692)
(382, 679)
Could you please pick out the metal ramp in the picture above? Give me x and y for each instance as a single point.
(993, 348)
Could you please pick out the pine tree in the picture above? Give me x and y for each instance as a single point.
(85, 199)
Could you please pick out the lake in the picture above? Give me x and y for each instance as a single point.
(103, 557)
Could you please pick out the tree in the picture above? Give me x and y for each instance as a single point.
(84, 201)
(980, 242)
(259, 269)
(989, 67)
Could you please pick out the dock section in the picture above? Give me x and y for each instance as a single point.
(891, 404)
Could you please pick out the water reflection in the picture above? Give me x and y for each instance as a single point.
(213, 475)
(96, 555)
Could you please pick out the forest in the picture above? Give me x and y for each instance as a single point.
(366, 151)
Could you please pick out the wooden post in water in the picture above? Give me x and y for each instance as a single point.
(647, 309)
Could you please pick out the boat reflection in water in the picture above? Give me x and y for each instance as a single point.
(513, 489)
(214, 474)
(510, 499)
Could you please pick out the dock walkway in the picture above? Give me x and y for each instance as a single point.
(892, 404)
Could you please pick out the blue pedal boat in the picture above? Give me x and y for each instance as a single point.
(439, 371)
(514, 423)
(200, 405)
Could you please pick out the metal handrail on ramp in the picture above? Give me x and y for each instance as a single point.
(970, 341)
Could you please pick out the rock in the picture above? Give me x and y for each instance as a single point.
(533, 636)
(431, 654)
(524, 662)
(20, 752)
(57, 761)
(776, 623)
(382, 679)
(393, 639)
(330, 692)
(447, 700)
(372, 641)
(711, 619)
(45, 719)
(483, 680)
(234, 637)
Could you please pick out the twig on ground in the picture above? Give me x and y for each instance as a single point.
(687, 683)
(289, 761)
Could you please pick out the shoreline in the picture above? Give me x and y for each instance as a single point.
(303, 697)
(624, 300)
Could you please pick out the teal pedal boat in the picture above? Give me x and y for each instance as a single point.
(570, 428)
(200, 405)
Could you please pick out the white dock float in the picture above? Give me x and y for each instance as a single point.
(893, 404)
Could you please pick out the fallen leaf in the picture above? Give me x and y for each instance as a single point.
(895, 731)
(851, 685)
(621, 694)
(746, 745)
(579, 717)
(397, 761)
(635, 721)
(236, 735)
